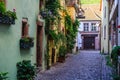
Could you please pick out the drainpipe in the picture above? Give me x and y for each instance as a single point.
(107, 25)
(118, 23)
(108, 31)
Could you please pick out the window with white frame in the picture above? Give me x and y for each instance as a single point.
(93, 27)
(86, 26)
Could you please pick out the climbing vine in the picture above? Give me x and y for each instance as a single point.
(52, 9)
(71, 31)
(52, 20)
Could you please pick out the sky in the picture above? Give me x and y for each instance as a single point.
(90, 1)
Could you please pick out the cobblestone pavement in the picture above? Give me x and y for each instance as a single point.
(86, 65)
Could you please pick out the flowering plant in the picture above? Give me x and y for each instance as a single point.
(7, 17)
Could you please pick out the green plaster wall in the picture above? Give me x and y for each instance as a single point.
(10, 53)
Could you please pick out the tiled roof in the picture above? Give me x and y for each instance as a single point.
(92, 12)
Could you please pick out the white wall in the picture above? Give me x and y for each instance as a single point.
(104, 41)
(81, 28)
(79, 40)
(10, 52)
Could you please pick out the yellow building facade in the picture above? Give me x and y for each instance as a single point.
(54, 49)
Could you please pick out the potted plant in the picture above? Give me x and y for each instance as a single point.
(26, 42)
(62, 53)
(25, 70)
(3, 76)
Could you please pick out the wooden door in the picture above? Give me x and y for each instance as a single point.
(39, 45)
(89, 42)
(53, 55)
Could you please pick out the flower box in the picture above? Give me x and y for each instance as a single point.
(8, 17)
(6, 20)
(26, 42)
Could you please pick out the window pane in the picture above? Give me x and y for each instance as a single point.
(93, 27)
(86, 27)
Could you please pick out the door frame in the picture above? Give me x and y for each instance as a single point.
(39, 58)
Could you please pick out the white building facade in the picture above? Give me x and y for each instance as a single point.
(89, 28)
(104, 27)
(89, 35)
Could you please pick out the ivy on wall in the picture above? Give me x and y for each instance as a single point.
(65, 37)
(71, 31)
(52, 10)
(52, 19)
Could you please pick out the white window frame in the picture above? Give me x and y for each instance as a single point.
(93, 27)
(86, 27)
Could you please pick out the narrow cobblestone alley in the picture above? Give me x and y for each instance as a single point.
(86, 65)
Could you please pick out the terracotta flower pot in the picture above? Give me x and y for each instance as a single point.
(61, 59)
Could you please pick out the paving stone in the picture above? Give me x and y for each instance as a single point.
(87, 65)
